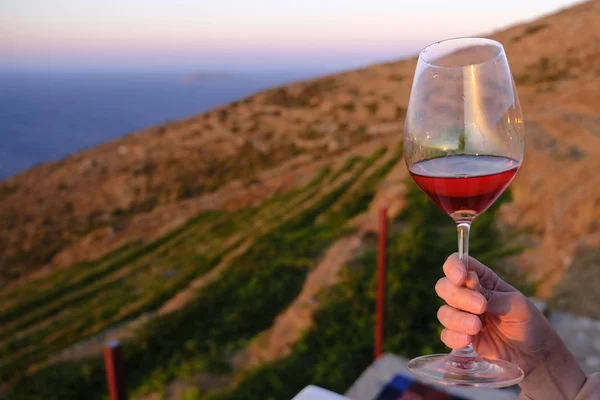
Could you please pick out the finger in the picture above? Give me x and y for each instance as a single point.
(488, 278)
(461, 297)
(455, 340)
(459, 321)
(494, 299)
(455, 270)
(472, 281)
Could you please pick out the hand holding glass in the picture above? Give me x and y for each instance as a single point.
(463, 145)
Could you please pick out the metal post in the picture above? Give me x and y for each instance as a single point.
(115, 370)
(381, 266)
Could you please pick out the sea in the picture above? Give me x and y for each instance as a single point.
(47, 115)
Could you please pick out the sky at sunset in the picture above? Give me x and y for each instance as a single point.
(240, 34)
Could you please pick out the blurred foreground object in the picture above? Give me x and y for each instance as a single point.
(316, 393)
(389, 378)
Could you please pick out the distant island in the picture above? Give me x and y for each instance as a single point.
(204, 76)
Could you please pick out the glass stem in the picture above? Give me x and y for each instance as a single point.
(463, 229)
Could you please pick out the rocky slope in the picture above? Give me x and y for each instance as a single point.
(146, 183)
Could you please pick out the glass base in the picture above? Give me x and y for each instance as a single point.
(466, 371)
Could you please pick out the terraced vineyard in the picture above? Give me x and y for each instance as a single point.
(283, 238)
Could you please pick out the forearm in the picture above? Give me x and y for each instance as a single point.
(559, 376)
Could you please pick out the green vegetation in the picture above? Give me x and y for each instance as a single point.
(288, 232)
(462, 142)
(530, 30)
(311, 134)
(38, 322)
(372, 107)
(228, 312)
(7, 189)
(400, 112)
(350, 107)
(348, 165)
(223, 114)
(43, 317)
(544, 71)
(301, 97)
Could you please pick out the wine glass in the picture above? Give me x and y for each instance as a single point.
(463, 145)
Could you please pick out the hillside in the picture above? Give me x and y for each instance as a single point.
(141, 230)
(150, 181)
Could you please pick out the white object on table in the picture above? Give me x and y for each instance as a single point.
(316, 393)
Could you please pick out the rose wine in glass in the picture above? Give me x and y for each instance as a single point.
(461, 183)
(463, 145)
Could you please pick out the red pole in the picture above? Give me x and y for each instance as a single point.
(115, 370)
(381, 263)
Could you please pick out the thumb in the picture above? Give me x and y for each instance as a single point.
(488, 278)
(498, 302)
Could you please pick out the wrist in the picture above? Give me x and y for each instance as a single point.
(556, 375)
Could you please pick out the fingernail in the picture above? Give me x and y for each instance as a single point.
(457, 274)
(476, 303)
(468, 324)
